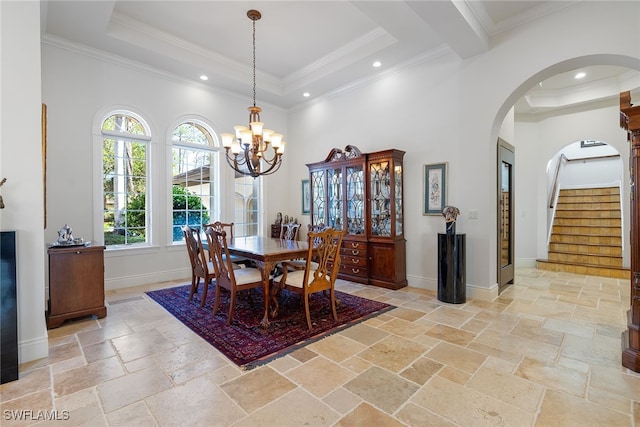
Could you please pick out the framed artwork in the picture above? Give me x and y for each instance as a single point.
(306, 197)
(435, 188)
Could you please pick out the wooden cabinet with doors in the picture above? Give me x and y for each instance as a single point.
(76, 283)
(362, 193)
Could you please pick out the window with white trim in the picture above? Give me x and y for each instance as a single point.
(194, 180)
(125, 176)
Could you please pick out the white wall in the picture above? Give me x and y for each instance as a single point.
(449, 110)
(21, 164)
(79, 89)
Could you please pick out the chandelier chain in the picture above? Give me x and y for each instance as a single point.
(254, 63)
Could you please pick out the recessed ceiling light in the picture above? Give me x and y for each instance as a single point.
(203, 77)
(306, 94)
(580, 75)
(377, 64)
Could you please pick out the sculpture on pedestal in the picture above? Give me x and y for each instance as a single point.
(450, 213)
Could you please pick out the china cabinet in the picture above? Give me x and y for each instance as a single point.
(362, 193)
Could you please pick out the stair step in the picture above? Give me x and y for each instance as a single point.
(586, 259)
(605, 198)
(606, 222)
(587, 214)
(587, 229)
(589, 191)
(586, 239)
(586, 249)
(592, 270)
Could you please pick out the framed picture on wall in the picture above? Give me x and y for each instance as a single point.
(306, 197)
(435, 188)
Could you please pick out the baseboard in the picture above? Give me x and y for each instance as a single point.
(143, 279)
(475, 292)
(422, 282)
(483, 294)
(525, 263)
(33, 349)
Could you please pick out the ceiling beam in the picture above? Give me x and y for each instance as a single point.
(455, 23)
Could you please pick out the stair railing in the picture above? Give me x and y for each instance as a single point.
(555, 187)
(553, 194)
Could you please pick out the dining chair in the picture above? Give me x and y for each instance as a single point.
(298, 264)
(324, 247)
(289, 231)
(201, 266)
(227, 227)
(233, 280)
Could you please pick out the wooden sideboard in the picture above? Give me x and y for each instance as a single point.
(76, 283)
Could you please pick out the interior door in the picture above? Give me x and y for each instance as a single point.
(506, 171)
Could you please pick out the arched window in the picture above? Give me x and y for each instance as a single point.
(194, 179)
(125, 176)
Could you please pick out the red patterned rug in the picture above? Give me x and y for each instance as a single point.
(245, 342)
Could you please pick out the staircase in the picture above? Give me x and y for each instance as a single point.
(587, 234)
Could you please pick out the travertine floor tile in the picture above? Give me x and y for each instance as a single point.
(195, 403)
(382, 388)
(320, 376)
(414, 415)
(367, 415)
(457, 357)
(393, 353)
(87, 376)
(465, 406)
(560, 409)
(336, 347)
(511, 389)
(257, 388)
(297, 408)
(554, 376)
(128, 389)
(545, 352)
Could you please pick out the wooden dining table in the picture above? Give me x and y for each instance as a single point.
(266, 252)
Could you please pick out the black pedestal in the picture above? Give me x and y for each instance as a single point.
(8, 308)
(452, 277)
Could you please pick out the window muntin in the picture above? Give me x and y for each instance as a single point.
(195, 198)
(247, 190)
(125, 166)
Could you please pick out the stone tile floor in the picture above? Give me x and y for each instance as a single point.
(546, 352)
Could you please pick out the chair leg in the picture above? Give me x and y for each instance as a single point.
(217, 300)
(204, 294)
(306, 309)
(333, 304)
(195, 281)
(232, 306)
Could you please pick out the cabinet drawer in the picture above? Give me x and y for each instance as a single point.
(350, 244)
(353, 270)
(353, 261)
(360, 251)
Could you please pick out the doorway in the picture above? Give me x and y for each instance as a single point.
(506, 173)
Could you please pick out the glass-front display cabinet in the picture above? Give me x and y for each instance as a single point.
(362, 194)
(387, 245)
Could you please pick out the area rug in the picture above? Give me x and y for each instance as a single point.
(245, 342)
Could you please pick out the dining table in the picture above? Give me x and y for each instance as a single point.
(266, 253)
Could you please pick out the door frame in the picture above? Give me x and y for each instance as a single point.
(506, 154)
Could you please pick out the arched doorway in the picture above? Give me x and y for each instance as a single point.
(584, 215)
(610, 108)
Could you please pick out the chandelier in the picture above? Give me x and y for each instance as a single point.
(253, 150)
